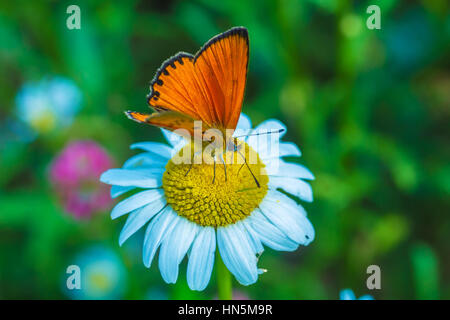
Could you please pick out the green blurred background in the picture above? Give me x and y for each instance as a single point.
(368, 108)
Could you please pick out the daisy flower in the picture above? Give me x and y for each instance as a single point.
(195, 209)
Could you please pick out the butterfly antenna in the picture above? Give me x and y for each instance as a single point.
(261, 133)
(245, 163)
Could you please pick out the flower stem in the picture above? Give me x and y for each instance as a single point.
(224, 285)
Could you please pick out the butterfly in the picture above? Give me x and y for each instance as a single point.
(208, 86)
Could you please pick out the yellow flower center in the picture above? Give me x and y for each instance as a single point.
(100, 281)
(45, 122)
(216, 194)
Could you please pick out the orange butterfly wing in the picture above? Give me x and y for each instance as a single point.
(208, 86)
(167, 119)
(222, 66)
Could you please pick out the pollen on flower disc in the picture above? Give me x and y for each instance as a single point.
(215, 195)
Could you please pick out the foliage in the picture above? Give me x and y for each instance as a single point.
(368, 108)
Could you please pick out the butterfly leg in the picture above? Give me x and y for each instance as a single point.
(187, 172)
(224, 167)
(245, 163)
(192, 162)
(240, 168)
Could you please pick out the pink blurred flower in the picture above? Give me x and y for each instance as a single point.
(240, 295)
(75, 173)
(237, 295)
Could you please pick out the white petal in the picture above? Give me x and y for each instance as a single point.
(261, 143)
(201, 259)
(174, 248)
(243, 128)
(148, 178)
(244, 122)
(269, 234)
(154, 147)
(237, 254)
(118, 190)
(287, 169)
(148, 170)
(285, 149)
(296, 187)
(265, 139)
(136, 201)
(139, 217)
(157, 229)
(253, 237)
(175, 140)
(271, 125)
(288, 216)
(146, 159)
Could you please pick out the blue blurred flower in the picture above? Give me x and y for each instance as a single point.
(348, 294)
(48, 104)
(103, 275)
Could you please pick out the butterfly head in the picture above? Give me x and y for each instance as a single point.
(233, 145)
